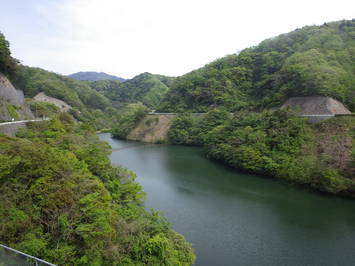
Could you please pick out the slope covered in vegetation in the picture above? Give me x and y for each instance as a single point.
(88, 105)
(94, 76)
(277, 144)
(314, 60)
(234, 90)
(12, 103)
(7, 62)
(146, 88)
(62, 201)
(60, 198)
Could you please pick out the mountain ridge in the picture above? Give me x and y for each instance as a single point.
(146, 88)
(94, 76)
(313, 60)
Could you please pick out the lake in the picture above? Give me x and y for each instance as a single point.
(232, 218)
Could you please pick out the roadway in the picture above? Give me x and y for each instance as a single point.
(23, 121)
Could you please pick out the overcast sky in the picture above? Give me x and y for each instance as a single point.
(170, 37)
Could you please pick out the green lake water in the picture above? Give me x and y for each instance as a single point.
(233, 218)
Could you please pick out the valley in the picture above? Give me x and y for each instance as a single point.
(257, 166)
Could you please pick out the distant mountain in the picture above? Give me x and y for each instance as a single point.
(87, 105)
(94, 76)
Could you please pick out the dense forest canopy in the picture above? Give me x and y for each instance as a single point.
(127, 119)
(62, 201)
(4, 51)
(7, 63)
(242, 127)
(146, 88)
(60, 198)
(96, 102)
(88, 105)
(94, 76)
(277, 144)
(314, 60)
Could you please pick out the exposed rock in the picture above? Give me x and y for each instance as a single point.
(9, 96)
(9, 93)
(152, 128)
(316, 105)
(10, 130)
(42, 97)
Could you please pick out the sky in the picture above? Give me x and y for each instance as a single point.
(169, 37)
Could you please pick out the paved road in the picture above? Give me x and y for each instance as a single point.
(152, 113)
(22, 121)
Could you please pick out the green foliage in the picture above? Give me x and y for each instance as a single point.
(220, 83)
(192, 130)
(43, 109)
(12, 111)
(73, 92)
(330, 181)
(275, 144)
(8, 64)
(180, 131)
(316, 60)
(89, 106)
(4, 51)
(146, 88)
(62, 201)
(126, 121)
(94, 76)
(309, 73)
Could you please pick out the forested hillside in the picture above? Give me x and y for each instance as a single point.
(314, 60)
(88, 105)
(7, 62)
(236, 91)
(62, 201)
(277, 144)
(94, 76)
(146, 88)
(60, 198)
(12, 102)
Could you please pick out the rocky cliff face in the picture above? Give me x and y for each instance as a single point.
(10, 130)
(12, 102)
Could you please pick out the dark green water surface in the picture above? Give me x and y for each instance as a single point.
(238, 219)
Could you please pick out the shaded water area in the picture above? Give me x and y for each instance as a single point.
(238, 219)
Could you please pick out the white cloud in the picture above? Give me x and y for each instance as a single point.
(126, 37)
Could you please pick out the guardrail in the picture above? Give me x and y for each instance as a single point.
(330, 115)
(194, 114)
(10, 256)
(23, 121)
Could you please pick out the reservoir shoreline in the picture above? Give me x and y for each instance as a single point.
(233, 218)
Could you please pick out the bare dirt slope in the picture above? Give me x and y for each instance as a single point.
(335, 144)
(316, 105)
(42, 97)
(152, 128)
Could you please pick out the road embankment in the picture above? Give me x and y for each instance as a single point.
(153, 128)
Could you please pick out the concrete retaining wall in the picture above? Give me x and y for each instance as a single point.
(11, 129)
